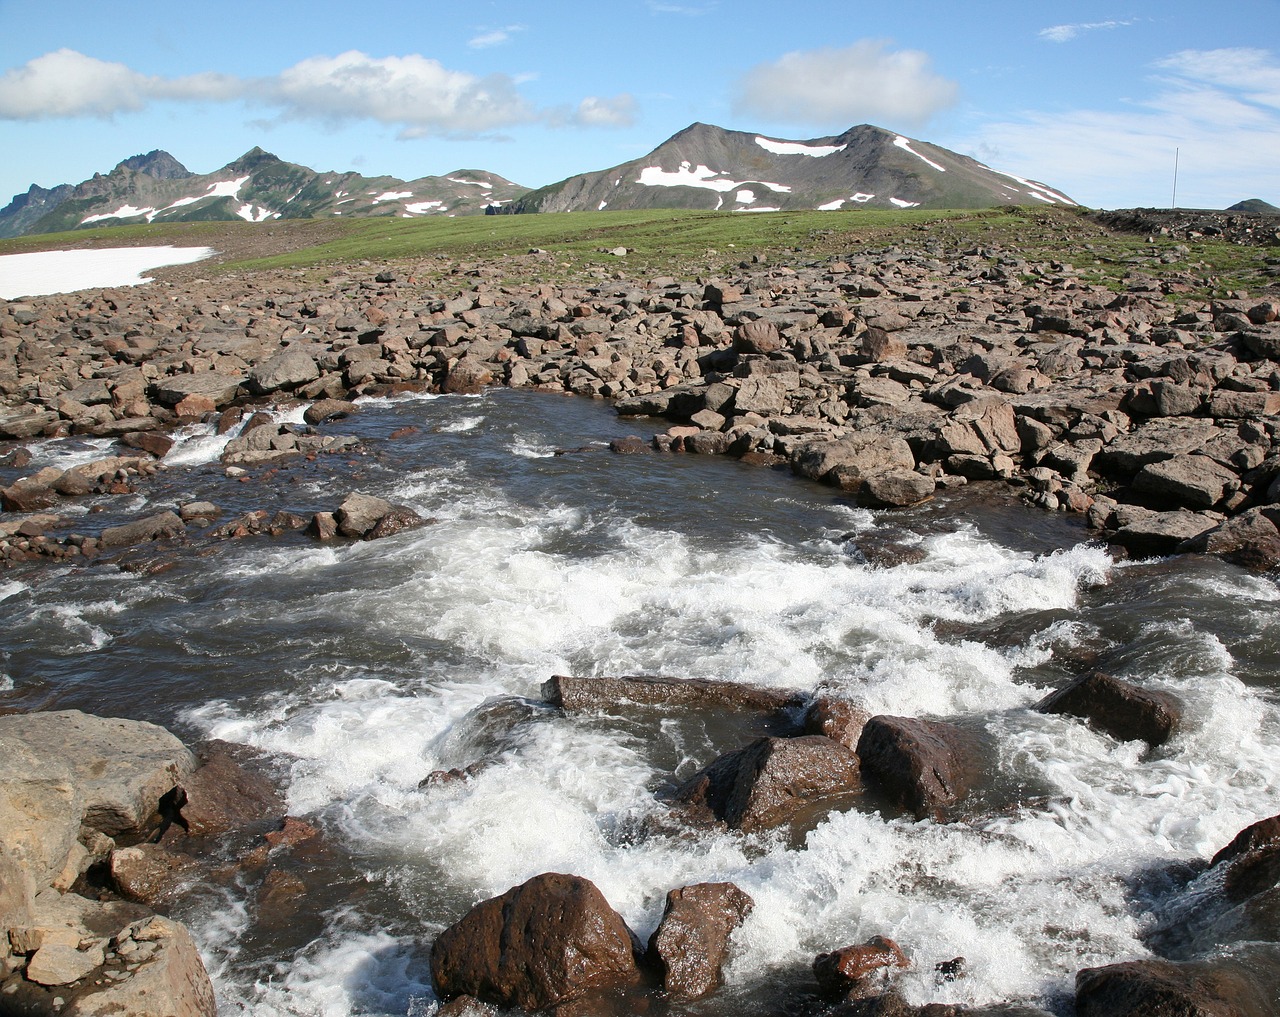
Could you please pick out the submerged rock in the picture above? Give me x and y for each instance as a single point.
(1159, 988)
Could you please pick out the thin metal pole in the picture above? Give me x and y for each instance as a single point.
(1175, 179)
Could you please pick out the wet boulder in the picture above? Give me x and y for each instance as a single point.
(837, 719)
(604, 693)
(1251, 862)
(362, 516)
(923, 766)
(328, 409)
(896, 488)
(161, 526)
(771, 782)
(861, 971)
(690, 944)
(547, 941)
(1156, 988)
(1117, 708)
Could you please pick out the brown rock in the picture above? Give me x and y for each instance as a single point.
(631, 445)
(328, 409)
(162, 525)
(1117, 708)
(772, 781)
(223, 795)
(150, 873)
(467, 377)
(847, 462)
(837, 719)
(859, 972)
(548, 941)
(879, 346)
(604, 693)
(923, 766)
(195, 406)
(1159, 988)
(896, 488)
(691, 942)
(1250, 539)
(757, 337)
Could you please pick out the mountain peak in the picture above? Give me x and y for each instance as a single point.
(157, 163)
(253, 159)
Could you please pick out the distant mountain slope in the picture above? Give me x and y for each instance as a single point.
(708, 167)
(1254, 205)
(256, 187)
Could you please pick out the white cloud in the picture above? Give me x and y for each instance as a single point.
(688, 10)
(418, 95)
(620, 111)
(65, 83)
(1065, 33)
(841, 87)
(495, 37)
(1217, 109)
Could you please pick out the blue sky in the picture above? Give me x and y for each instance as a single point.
(1091, 98)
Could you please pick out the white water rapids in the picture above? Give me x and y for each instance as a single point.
(368, 666)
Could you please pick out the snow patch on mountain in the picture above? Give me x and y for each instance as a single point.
(44, 272)
(423, 207)
(905, 145)
(256, 213)
(904, 204)
(798, 148)
(392, 196)
(1038, 190)
(225, 188)
(123, 212)
(687, 176)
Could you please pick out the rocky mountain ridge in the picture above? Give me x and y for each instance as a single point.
(257, 187)
(707, 167)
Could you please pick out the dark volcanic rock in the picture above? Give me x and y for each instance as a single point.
(544, 942)
(772, 781)
(1158, 988)
(691, 942)
(924, 766)
(1117, 708)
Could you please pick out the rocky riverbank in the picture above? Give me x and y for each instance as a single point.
(887, 373)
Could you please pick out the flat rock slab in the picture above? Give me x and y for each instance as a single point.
(122, 767)
(580, 694)
(222, 389)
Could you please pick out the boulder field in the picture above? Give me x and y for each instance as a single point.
(887, 373)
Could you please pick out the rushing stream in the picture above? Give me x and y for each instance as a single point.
(365, 667)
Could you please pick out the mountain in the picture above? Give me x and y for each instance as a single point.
(1254, 205)
(710, 168)
(256, 187)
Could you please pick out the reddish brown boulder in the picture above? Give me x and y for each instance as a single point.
(1251, 860)
(224, 795)
(545, 942)
(771, 782)
(1158, 988)
(150, 873)
(691, 942)
(757, 337)
(1117, 708)
(923, 766)
(837, 719)
(859, 972)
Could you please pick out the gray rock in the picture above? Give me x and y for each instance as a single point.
(162, 525)
(222, 389)
(1146, 532)
(285, 370)
(1187, 481)
(847, 462)
(897, 488)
